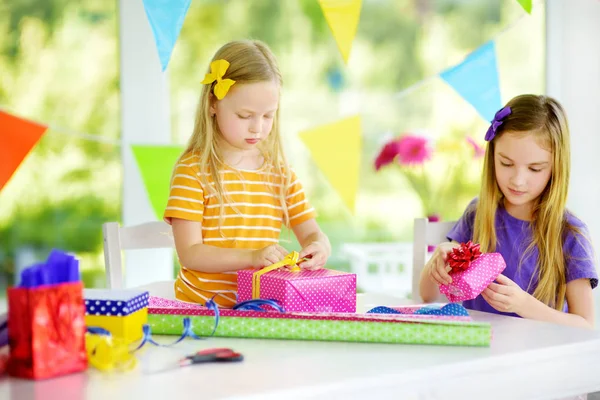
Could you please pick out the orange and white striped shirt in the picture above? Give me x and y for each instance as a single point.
(252, 219)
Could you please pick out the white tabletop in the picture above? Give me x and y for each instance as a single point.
(527, 360)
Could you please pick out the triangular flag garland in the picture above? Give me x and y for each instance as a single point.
(342, 17)
(476, 80)
(156, 165)
(336, 150)
(526, 4)
(17, 137)
(166, 19)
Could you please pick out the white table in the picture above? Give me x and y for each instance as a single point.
(527, 360)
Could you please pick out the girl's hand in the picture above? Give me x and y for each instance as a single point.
(436, 268)
(317, 255)
(506, 296)
(268, 255)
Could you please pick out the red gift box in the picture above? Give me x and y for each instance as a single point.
(46, 330)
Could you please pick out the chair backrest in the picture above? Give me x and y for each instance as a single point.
(150, 235)
(383, 268)
(426, 234)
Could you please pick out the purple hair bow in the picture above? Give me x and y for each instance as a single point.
(498, 120)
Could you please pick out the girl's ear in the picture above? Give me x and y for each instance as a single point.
(212, 101)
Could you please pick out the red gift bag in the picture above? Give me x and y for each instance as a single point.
(46, 330)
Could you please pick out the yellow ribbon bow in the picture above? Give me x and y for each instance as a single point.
(106, 353)
(291, 260)
(217, 71)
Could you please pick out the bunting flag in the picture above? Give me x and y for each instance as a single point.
(526, 4)
(342, 17)
(17, 138)
(335, 78)
(156, 164)
(336, 149)
(166, 19)
(476, 80)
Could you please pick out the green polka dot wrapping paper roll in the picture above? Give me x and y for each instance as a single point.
(165, 317)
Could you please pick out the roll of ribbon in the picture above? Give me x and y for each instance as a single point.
(107, 354)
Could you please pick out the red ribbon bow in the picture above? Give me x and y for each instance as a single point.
(461, 257)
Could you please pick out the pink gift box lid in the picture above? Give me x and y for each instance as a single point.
(299, 276)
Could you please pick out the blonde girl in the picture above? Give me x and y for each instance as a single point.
(521, 213)
(232, 189)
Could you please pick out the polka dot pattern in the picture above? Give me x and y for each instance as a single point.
(159, 305)
(452, 311)
(114, 302)
(165, 317)
(468, 284)
(323, 290)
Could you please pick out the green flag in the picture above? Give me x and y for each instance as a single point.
(156, 164)
(526, 4)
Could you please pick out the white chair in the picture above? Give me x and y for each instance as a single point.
(382, 268)
(150, 235)
(426, 234)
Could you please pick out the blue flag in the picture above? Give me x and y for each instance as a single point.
(476, 80)
(166, 18)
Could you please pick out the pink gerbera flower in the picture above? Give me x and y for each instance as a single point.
(479, 151)
(409, 149)
(413, 150)
(387, 154)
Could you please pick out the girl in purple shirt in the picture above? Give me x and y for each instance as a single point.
(520, 213)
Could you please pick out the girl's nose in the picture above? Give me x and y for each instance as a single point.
(518, 179)
(254, 127)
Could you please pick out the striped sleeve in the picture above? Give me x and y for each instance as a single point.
(186, 197)
(299, 208)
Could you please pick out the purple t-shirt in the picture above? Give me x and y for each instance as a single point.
(513, 237)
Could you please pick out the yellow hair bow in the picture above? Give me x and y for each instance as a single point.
(217, 70)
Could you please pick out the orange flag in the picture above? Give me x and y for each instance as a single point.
(17, 138)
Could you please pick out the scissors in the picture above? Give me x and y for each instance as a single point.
(211, 355)
(204, 356)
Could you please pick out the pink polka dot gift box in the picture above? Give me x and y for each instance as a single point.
(323, 290)
(472, 271)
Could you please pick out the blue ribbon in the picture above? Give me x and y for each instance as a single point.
(147, 337)
(451, 309)
(147, 331)
(250, 305)
(210, 304)
(256, 305)
(96, 330)
(187, 329)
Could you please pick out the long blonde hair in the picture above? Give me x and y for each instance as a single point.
(250, 61)
(545, 118)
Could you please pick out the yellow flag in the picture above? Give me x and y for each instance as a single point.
(342, 17)
(336, 150)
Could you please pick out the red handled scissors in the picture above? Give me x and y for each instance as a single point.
(211, 355)
(203, 356)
